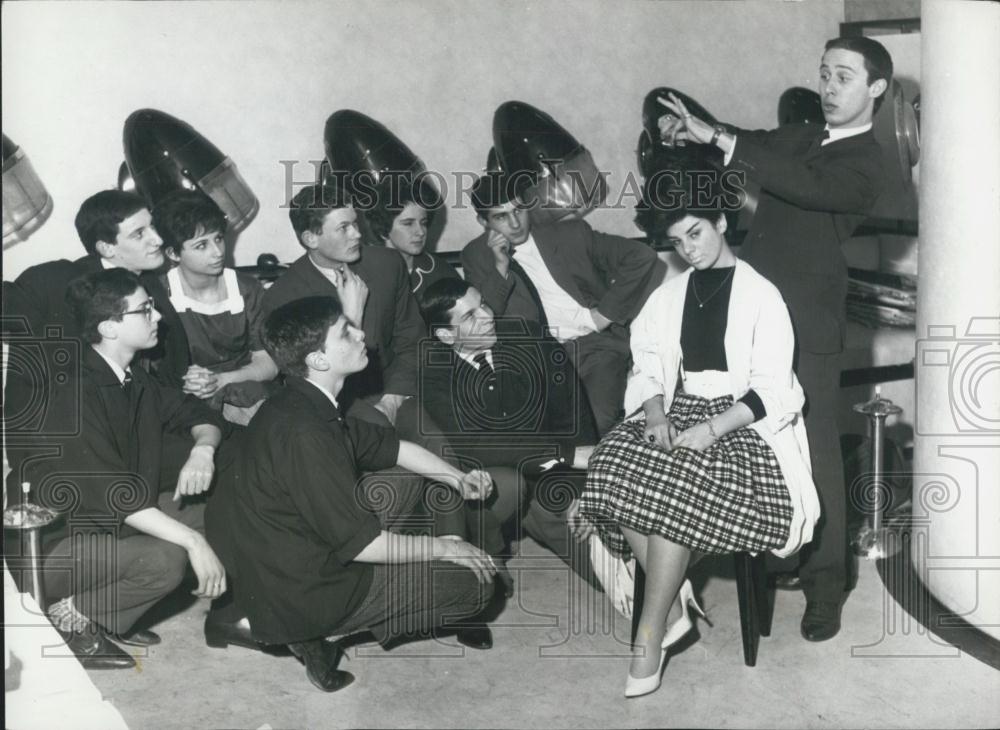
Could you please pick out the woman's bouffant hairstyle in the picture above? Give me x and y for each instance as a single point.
(670, 196)
(183, 214)
(389, 203)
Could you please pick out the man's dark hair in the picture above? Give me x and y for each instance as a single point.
(100, 296)
(100, 214)
(878, 62)
(310, 206)
(439, 299)
(494, 189)
(183, 214)
(297, 328)
(389, 204)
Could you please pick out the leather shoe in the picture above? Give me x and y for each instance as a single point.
(788, 581)
(320, 657)
(137, 637)
(505, 581)
(475, 637)
(220, 634)
(821, 621)
(95, 650)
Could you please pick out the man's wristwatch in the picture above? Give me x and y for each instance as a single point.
(719, 131)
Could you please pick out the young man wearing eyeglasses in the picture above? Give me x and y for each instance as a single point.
(127, 481)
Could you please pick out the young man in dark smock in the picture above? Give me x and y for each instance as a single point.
(312, 544)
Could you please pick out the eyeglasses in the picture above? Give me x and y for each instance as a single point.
(147, 308)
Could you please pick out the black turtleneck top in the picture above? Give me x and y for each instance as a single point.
(703, 327)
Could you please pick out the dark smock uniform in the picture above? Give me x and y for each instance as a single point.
(296, 515)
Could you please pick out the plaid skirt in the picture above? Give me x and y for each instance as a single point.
(728, 498)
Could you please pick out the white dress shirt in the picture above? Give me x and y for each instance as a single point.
(567, 320)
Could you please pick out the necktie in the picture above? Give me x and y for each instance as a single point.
(483, 363)
(127, 383)
(532, 291)
(817, 143)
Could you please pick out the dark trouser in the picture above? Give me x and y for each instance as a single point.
(450, 514)
(115, 580)
(823, 566)
(547, 498)
(601, 360)
(414, 598)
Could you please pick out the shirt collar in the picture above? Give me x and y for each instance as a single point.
(528, 245)
(325, 392)
(469, 358)
(115, 367)
(330, 274)
(845, 132)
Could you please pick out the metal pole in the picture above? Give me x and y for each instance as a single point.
(35, 562)
(874, 540)
(30, 519)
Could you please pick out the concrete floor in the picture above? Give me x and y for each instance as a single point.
(560, 659)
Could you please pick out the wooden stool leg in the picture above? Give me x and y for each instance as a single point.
(749, 624)
(764, 591)
(639, 583)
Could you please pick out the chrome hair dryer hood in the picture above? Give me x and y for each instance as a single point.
(26, 202)
(370, 156)
(164, 154)
(564, 180)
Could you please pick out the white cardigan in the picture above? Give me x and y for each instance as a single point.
(759, 344)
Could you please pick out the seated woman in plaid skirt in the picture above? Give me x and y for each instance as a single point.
(714, 457)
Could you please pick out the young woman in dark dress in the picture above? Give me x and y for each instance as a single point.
(219, 307)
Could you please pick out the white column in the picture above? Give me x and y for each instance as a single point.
(957, 440)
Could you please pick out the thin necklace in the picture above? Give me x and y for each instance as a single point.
(694, 288)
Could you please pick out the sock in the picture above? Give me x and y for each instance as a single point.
(66, 618)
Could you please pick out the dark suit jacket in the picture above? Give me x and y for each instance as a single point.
(811, 201)
(41, 299)
(392, 321)
(536, 408)
(429, 268)
(612, 273)
(111, 466)
(290, 522)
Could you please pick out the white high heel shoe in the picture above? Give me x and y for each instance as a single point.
(679, 628)
(639, 686)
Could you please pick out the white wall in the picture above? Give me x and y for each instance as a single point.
(260, 78)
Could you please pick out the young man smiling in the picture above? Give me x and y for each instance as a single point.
(117, 231)
(817, 186)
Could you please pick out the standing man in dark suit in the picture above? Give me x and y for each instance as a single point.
(124, 479)
(817, 186)
(581, 286)
(509, 401)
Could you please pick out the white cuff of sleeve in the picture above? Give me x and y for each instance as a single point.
(728, 157)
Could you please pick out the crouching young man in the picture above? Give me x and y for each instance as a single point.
(132, 475)
(307, 537)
